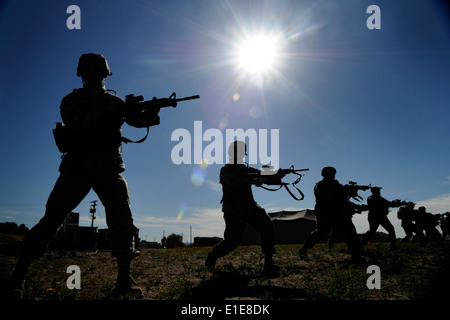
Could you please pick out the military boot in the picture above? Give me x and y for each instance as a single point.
(126, 287)
(270, 268)
(14, 288)
(302, 252)
(15, 284)
(210, 262)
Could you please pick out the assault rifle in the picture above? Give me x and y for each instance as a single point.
(357, 208)
(138, 105)
(398, 203)
(138, 101)
(444, 223)
(352, 189)
(444, 216)
(273, 178)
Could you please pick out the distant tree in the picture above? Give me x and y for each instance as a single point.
(174, 241)
(12, 228)
(22, 229)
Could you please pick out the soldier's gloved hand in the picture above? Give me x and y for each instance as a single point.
(280, 175)
(110, 120)
(273, 180)
(151, 117)
(154, 121)
(258, 182)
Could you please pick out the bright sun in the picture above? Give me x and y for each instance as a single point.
(257, 55)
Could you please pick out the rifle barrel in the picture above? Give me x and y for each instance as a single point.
(188, 98)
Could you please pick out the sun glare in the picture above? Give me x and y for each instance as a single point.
(258, 54)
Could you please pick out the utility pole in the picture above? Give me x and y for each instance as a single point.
(92, 211)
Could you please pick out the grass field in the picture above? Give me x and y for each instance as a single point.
(411, 272)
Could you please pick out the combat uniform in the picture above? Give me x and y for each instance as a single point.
(332, 214)
(428, 222)
(378, 211)
(407, 215)
(92, 159)
(239, 209)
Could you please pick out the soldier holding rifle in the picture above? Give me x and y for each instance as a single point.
(90, 140)
(333, 214)
(378, 211)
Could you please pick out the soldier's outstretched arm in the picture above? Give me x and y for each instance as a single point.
(237, 180)
(142, 119)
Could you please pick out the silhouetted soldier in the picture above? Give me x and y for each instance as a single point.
(407, 215)
(333, 216)
(350, 209)
(378, 211)
(418, 227)
(92, 142)
(428, 223)
(239, 208)
(444, 222)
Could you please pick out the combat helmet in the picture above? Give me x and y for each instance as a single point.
(93, 62)
(376, 190)
(328, 171)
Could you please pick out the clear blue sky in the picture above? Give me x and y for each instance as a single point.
(372, 103)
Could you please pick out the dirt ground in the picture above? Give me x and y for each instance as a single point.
(412, 272)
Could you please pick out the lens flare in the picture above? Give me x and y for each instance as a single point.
(223, 122)
(199, 174)
(204, 164)
(182, 210)
(255, 112)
